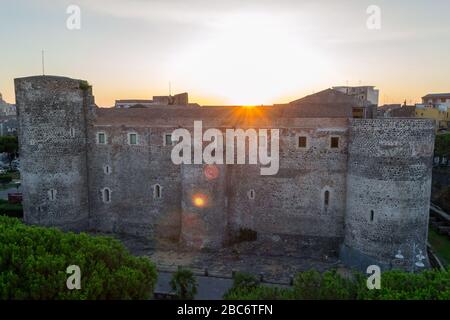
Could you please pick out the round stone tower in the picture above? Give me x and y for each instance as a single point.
(204, 207)
(388, 193)
(52, 116)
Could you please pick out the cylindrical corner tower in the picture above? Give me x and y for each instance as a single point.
(52, 114)
(388, 193)
(204, 213)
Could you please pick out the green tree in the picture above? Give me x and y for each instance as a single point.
(9, 145)
(34, 261)
(184, 284)
(442, 145)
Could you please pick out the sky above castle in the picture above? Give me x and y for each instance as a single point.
(230, 52)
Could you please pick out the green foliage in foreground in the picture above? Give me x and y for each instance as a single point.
(311, 285)
(184, 284)
(441, 246)
(11, 209)
(442, 145)
(33, 263)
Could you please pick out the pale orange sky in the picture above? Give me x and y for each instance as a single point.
(230, 52)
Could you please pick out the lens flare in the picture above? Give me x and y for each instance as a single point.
(199, 200)
(211, 172)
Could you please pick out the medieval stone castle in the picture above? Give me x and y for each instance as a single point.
(358, 189)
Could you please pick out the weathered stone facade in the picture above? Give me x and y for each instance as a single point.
(319, 203)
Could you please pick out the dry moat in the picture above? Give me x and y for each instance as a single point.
(249, 256)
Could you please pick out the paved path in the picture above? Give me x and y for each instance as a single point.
(209, 288)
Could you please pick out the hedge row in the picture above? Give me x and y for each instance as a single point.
(311, 285)
(33, 263)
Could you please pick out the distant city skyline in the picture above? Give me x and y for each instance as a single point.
(228, 52)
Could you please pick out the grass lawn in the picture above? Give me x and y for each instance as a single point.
(441, 246)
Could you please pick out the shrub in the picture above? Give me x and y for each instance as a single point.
(398, 285)
(245, 281)
(11, 210)
(243, 284)
(395, 285)
(33, 263)
(442, 145)
(260, 293)
(184, 284)
(84, 85)
(329, 285)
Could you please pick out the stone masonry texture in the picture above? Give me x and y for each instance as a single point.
(364, 201)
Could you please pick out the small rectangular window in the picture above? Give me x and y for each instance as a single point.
(168, 139)
(132, 138)
(101, 138)
(302, 142)
(157, 191)
(334, 142)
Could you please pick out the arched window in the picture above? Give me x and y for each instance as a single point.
(157, 191)
(371, 215)
(251, 194)
(106, 195)
(72, 132)
(326, 198)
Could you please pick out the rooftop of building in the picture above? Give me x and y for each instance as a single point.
(134, 101)
(356, 87)
(437, 95)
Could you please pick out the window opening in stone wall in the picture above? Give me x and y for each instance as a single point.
(326, 199)
(52, 194)
(168, 139)
(132, 138)
(101, 138)
(302, 142)
(157, 191)
(334, 142)
(106, 194)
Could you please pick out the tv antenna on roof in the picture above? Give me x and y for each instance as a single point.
(43, 62)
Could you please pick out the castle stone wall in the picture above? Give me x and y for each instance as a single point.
(388, 191)
(52, 144)
(135, 170)
(369, 195)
